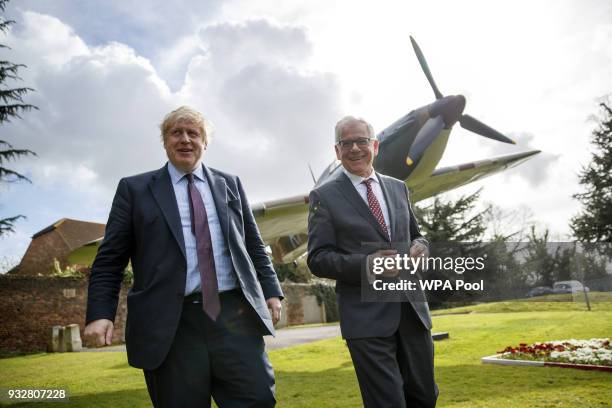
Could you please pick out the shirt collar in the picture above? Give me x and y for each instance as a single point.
(356, 180)
(177, 175)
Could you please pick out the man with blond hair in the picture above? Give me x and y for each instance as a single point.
(204, 290)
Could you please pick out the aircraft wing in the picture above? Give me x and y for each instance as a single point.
(281, 217)
(448, 178)
(283, 225)
(283, 222)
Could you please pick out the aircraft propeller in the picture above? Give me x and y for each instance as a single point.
(446, 111)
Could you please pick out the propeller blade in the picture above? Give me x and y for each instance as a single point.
(425, 68)
(426, 136)
(314, 180)
(474, 125)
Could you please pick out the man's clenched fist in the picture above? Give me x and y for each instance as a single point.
(99, 332)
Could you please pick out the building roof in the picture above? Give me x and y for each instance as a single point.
(74, 232)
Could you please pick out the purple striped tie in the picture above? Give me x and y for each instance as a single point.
(206, 261)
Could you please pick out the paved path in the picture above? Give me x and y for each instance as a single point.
(284, 337)
(299, 335)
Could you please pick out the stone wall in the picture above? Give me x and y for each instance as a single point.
(30, 306)
(300, 306)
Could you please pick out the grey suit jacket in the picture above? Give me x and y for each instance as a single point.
(339, 224)
(144, 227)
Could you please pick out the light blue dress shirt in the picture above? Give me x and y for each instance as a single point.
(226, 276)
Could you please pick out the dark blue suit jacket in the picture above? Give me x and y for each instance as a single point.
(144, 227)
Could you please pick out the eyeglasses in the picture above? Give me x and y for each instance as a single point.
(360, 142)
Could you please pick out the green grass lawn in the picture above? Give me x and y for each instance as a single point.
(599, 301)
(321, 374)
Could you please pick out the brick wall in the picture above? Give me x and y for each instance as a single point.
(30, 306)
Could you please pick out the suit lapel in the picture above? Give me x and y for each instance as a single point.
(163, 192)
(352, 196)
(218, 188)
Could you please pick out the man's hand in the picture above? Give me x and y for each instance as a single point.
(383, 253)
(418, 249)
(99, 332)
(274, 304)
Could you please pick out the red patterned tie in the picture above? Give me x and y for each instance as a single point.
(206, 261)
(375, 207)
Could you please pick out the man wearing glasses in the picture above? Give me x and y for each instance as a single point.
(390, 342)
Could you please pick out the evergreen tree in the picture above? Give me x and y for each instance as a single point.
(453, 221)
(594, 223)
(548, 262)
(540, 264)
(11, 105)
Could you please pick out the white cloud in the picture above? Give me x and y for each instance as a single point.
(50, 39)
(270, 115)
(252, 42)
(100, 107)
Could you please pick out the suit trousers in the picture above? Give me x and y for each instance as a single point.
(225, 359)
(396, 371)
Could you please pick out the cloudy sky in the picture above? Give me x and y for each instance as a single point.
(274, 77)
